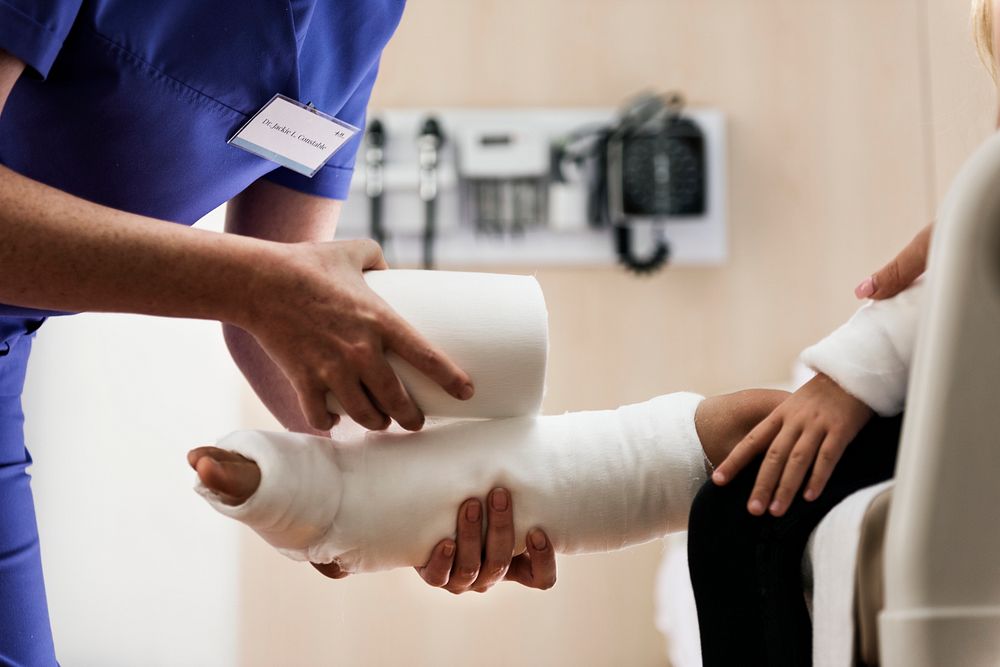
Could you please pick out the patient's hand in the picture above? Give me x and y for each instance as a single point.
(234, 478)
(811, 428)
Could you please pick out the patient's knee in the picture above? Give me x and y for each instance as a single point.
(719, 524)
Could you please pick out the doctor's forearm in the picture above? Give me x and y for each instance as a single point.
(271, 212)
(267, 380)
(61, 252)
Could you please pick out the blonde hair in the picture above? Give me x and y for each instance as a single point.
(983, 31)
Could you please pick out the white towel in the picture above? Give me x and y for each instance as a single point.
(832, 560)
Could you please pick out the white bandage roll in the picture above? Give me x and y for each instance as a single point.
(594, 481)
(494, 326)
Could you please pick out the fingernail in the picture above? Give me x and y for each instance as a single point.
(448, 549)
(756, 507)
(775, 507)
(467, 392)
(809, 495)
(499, 500)
(537, 538)
(866, 288)
(472, 511)
(718, 477)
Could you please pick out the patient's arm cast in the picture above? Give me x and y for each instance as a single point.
(594, 481)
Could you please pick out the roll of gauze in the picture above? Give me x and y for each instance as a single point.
(494, 326)
(594, 481)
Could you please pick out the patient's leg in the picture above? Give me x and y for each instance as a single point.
(747, 570)
(594, 481)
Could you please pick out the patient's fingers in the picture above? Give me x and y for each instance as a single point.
(537, 567)
(499, 540)
(798, 464)
(829, 455)
(234, 478)
(771, 468)
(747, 450)
(470, 547)
(438, 569)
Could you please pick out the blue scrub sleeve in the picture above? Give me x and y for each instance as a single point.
(34, 30)
(334, 179)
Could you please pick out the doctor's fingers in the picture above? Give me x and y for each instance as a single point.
(355, 401)
(390, 396)
(437, 571)
(420, 353)
(312, 401)
(469, 554)
(536, 568)
(747, 449)
(799, 461)
(770, 470)
(900, 273)
(499, 540)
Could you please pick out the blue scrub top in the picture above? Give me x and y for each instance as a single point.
(130, 104)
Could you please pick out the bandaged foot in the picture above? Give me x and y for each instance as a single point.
(594, 481)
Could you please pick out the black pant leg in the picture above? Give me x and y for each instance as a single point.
(721, 540)
(727, 543)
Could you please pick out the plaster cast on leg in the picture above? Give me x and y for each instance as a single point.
(594, 481)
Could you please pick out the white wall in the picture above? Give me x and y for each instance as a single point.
(139, 571)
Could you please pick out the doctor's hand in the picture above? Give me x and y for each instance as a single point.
(463, 564)
(810, 429)
(328, 331)
(900, 273)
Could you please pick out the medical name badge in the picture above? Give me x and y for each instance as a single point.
(294, 135)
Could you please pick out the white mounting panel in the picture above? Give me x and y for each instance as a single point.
(694, 241)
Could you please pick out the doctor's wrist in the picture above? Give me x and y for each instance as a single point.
(263, 277)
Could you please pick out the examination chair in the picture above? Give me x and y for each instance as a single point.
(927, 574)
